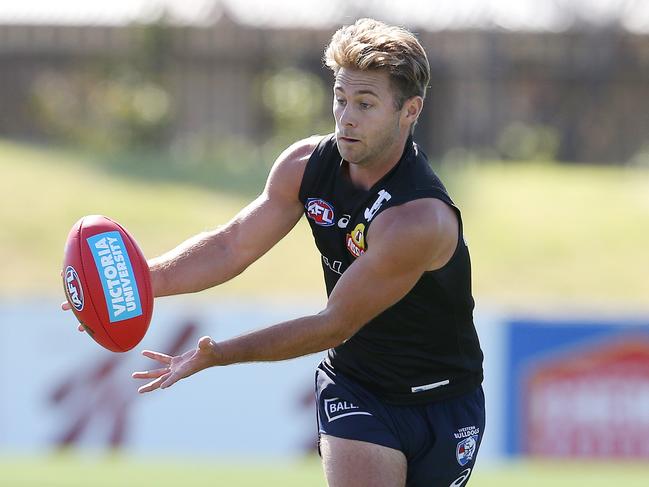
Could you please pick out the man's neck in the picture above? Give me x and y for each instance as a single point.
(367, 175)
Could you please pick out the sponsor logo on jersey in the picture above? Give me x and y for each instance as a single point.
(116, 276)
(459, 482)
(382, 198)
(73, 289)
(333, 265)
(344, 221)
(466, 450)
(321, 212)
(355, 241)
(336, 408)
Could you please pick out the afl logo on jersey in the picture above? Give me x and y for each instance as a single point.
(321, 212)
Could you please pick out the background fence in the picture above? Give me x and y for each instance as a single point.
(581, 95)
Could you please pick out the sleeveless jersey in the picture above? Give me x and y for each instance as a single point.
(424, 347)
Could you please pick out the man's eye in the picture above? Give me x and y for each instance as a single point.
(340, 101)
(365, 106)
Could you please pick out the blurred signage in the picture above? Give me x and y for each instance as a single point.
(79, 395)
(102, 394)
(579, 390)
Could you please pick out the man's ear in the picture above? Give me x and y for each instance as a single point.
(412, 109)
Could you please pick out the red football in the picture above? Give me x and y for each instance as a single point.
(107, 283)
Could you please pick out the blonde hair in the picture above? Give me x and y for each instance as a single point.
(373, 45)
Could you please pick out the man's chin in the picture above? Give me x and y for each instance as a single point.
(351, 156)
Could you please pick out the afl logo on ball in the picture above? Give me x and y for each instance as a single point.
(73, 289)
(321, 212)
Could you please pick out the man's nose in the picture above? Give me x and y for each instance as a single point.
(347, 118)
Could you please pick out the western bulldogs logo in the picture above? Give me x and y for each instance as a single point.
(321, 212)
(73, 289)
(466, 449)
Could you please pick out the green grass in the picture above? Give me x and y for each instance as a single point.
(44, 191)
(74, 471)
(539, 234)
(561, 474)
(69, 471)
(562, 234)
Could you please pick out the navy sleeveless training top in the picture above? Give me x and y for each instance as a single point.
(424, 347)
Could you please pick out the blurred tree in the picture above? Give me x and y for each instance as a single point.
(528, 142)
(297, 103)
(111, 103)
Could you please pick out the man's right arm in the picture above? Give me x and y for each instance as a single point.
(216, 256)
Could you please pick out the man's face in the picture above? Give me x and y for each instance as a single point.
(367, 121)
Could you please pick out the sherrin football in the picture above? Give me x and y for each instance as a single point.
(107, 283)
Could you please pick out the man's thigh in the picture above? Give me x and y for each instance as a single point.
(353, 463)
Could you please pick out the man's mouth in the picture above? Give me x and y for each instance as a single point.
(348, 139)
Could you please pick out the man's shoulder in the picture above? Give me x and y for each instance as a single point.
(288, 170)
(425, 218)
(417, 212)
(299, 152)
(428, 226)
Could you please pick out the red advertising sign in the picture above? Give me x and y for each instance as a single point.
(590, 403)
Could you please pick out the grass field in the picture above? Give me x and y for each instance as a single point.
(44, 191)
(539, 234)
(70, 471)
(542, 234)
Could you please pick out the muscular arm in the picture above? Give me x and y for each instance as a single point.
(403, 242)
(214, 257)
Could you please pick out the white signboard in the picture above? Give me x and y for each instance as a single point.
(59, 388)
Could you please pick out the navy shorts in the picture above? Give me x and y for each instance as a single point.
(440, 440)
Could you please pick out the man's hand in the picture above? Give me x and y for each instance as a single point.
(65, 306)
(178, 367)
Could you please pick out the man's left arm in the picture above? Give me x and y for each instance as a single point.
(403, 243)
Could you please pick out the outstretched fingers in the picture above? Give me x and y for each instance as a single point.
(154, 384)
(160, 357)
(151, 374)
(170, 380)
(159, 375)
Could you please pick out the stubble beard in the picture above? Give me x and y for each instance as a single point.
(375, 153)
